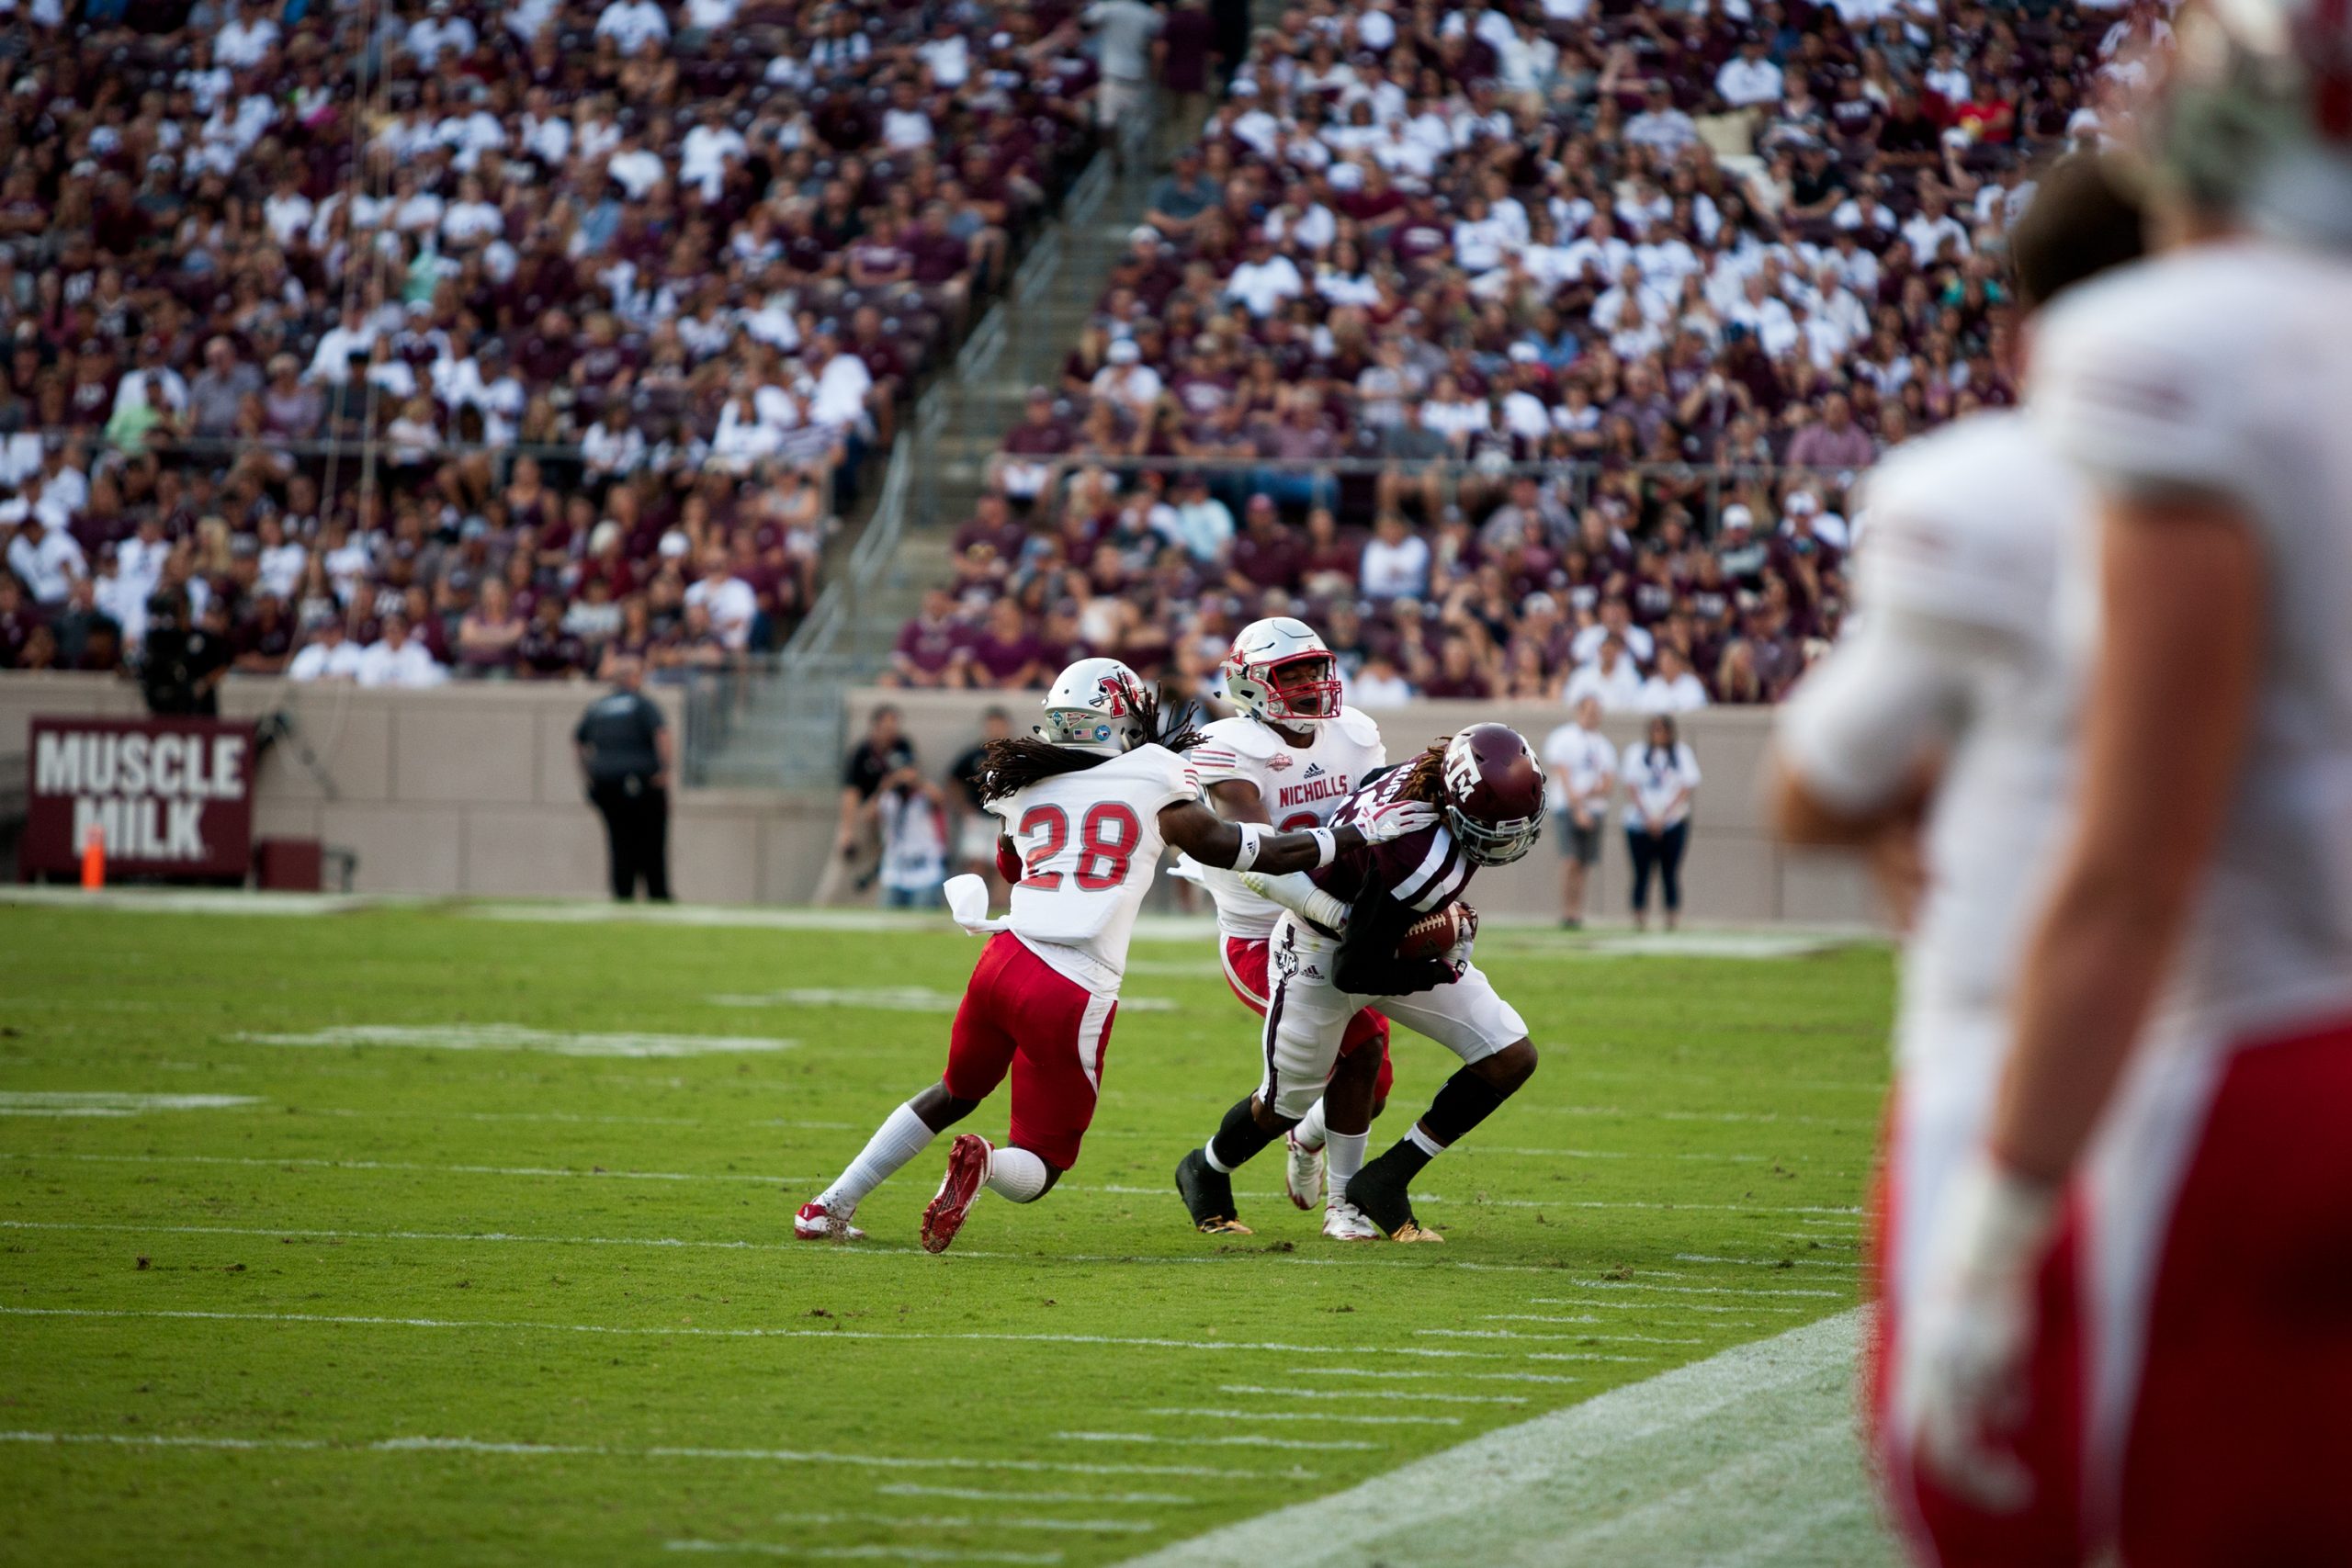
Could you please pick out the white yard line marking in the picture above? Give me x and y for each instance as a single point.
(1212, 1415)
(1736, 1443)
(1247, 1441)
(1507, 1334)
(108, 1102)
(298, 1162)
(1414, 1395)
(1448, 1374)
(966, 1521)
(862, 1553)
(983, 1494)
(517, 1037)
(889, 998)
(689, 1331)
(1702, 1289)
(593, 1450)
(1750, 1262)
(1557, 1203)
(1469, 1148)
(1578, 1338)
(1641, 1306)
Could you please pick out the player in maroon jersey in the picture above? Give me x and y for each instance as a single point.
(1488, 789)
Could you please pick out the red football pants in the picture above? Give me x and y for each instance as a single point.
(1022, 1015)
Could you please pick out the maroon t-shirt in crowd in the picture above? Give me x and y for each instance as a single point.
(931, 647)
(1002, 660)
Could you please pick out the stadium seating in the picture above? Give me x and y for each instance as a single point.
(1488, 336)
(623, 291)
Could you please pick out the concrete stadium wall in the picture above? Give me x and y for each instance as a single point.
(1735, 870)
(468, 789)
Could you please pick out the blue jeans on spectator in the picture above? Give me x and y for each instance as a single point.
(1665, 852)
(1295, 488)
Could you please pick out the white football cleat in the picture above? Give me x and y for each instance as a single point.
(1303, 1173)
(1342, 1221)
(816, 1223)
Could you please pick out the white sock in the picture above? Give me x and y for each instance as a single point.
(1423, 1142)
(896, 1141)
(1016, 1174)
(1342, 1158)
(1310, 1131)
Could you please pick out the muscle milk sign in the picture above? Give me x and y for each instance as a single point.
(171, 796)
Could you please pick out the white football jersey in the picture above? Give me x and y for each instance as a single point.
(2227, 368)
(1090, 845)
(1300, 788)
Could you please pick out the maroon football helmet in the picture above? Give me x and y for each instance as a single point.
(1494, 793)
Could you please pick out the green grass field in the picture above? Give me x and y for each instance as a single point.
(486, 1257)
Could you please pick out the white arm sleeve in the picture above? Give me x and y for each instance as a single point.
(1296, 891)
(1900, 685)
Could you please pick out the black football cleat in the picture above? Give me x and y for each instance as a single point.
(1379, 1191)
(1208, 1196)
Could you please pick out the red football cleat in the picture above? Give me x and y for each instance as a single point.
(816, 1223)
(967, 1166)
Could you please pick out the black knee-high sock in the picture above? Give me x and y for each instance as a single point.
(1239, 1138)
(1464, 1101)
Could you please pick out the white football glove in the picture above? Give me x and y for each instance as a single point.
(1457, 958)
(1394, 820)
(1961, 1376)
(1297, 891)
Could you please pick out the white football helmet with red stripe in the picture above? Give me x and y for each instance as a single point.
(1280, 670)
(2254, 116)
(1096, 704)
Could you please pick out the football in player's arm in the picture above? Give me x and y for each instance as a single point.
(1487, 789)
(1089, 802)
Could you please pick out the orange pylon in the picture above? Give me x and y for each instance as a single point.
(94, 858)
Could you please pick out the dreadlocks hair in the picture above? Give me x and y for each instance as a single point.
(1425, 774)
(1014, 764)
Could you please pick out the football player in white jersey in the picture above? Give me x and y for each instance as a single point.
(1087, 807)
(1950, 702)
(2187, 991)
(1289, 758)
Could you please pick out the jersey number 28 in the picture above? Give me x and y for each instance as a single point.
(1107, 837)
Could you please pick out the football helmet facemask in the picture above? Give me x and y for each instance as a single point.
(1493, 789)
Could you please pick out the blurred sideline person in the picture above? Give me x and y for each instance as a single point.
(624, 754)
(1942, 728)
(882, 752)
(1087, 804)
(2187, 989)
(1583, 769)
(976, 834)
(1289, 759)
(909, 817)
(1662, 774)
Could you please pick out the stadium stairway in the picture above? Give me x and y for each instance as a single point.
(785, 726)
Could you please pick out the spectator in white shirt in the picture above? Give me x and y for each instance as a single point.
(1662, 126)
(1616, 620)
(243, 39)
(1661, 773)
(1264, 279)
(399, 659)
(709, 150)
(632, 23)
(844, 383)
(1749, 79)
(1379, 684)
(1125, 379)
(726, 599)
(1673, 688)
(1395, 561)
(437, 31)
(1612, 679)
(45, 560)
(327, 656)
(1583, 769)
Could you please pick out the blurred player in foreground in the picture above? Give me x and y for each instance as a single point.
(2186, 993)
(1488, 788)
(1296, 751)
(1087, 807)
(1949, 713)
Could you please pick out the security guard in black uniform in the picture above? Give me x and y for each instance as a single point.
(625, 752)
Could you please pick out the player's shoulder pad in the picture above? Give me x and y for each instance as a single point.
(1359, 727)
(2155, 375)
(1966, 524)
(1242, 736)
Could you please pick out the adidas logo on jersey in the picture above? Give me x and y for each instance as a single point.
(1314, 771)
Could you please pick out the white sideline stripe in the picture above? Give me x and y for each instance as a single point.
(1767, 1117)
(1557, 1203)
(862, 1553)
(966, 1522)
(519, 1037)
(593, 1450)
(889, 998)
(983, 1494)
(1212, 1415)
(1557, 1461)
(689, 1331)
(1749, 1262)
(1469, 1148)
(1248, 1441)
(1416, 1396)
(1448, 1374)
(1641, 1306)
(104, 1102)
(1588, 1317)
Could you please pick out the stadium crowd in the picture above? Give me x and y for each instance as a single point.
(1530, 349)
(616, 295)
